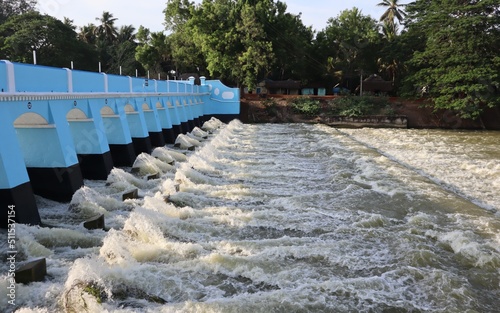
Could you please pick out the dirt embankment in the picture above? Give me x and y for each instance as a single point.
(254, 110)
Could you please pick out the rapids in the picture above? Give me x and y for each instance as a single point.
(280, 218)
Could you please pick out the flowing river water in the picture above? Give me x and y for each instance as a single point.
(281, 218)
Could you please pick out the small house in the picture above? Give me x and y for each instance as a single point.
(376, 85)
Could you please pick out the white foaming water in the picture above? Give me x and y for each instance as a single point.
(281, 218)
(465, 162)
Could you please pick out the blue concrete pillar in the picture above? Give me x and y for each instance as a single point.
(194, 108)
(175, 116)
(138, 127)
(117, 133)
(165, 120)
(90, 140)
(189, 112)
(204, 96)
(182, 114)
(16, 191)
(153, 123)
(200, 109)
(48, 149)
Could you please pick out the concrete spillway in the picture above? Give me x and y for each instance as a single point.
(60, 126)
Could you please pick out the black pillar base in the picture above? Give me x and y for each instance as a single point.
(96, 166)
(142, 145)
(157, 139)
(23, 200)
(177, 130)
(169, 135)
(123, 155)
(185, 127)
(203, 119)
(191, 125)
(226, 118)
(58, 183)
(197, 121)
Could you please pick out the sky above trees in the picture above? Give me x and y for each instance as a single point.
(149, 13)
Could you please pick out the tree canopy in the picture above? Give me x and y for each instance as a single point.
(450, 47)
(460, 64)
(10, 8)
(55, 43)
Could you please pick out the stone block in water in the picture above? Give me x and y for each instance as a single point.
(32, 271)
(132, 194)
(153, 176)
(95, 222)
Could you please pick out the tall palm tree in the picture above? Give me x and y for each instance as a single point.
(106, 29)
(393, 12)
(126, 33)
(87, 34)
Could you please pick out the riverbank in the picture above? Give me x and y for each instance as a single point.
(415, 113)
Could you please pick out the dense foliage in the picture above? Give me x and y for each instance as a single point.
(358, 106)
(306, 105)
(460, 63)
(446, 50)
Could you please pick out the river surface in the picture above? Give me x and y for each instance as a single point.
(281, 218)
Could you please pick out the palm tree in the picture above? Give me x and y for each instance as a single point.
(106, 29)
(126, 33)
(393, 12)
(389, 31)
(87, 34)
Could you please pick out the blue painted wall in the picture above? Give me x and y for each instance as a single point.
(222, 100)
(12, 168)
(40, 78)
(118, 83)
(87, 82)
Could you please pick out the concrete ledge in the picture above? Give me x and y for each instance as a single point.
(374, 121)
(32, 271)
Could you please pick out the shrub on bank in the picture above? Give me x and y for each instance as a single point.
(358, 106)
(306, 105)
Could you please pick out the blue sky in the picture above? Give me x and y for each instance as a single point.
(148, 13)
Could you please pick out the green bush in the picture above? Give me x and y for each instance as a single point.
(306, 105)
(271, 106)
(359, 106)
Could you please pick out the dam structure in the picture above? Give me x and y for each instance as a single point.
(60, 126)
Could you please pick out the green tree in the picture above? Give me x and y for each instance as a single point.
(55, 43)
(184, 53)
(177, 14)
(460, 63)
(393, 12)
(152, 50)
(256, 54)
(87, 34)
(122, 52)
(10, 8)
(350, 42)
(106, 29)
(292, 46)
